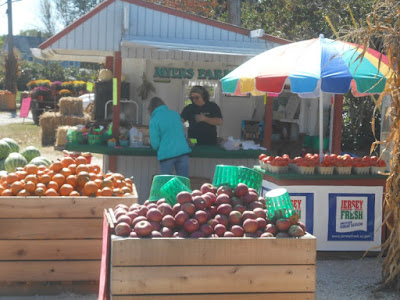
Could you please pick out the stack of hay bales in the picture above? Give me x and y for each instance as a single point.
(71, 114)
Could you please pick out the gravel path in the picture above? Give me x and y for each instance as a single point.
(339, 279)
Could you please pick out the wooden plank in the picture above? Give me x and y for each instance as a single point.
(47, 288)
(50, 249)
(49, 270)
(253, 296)
(212, 251)
(212, 279)
(55, 229)
(59, 207)
(104, 281)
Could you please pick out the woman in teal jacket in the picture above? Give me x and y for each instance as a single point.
(168, 138)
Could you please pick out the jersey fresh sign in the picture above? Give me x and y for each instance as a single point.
(303, 204)
(188, 73)
(351, 217)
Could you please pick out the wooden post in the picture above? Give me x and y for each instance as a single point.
(337, 124)
(116, 108)
(109, 63)
(269, 106)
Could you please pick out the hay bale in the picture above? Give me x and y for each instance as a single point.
(61, 136)
(71, 106)
(50, 121)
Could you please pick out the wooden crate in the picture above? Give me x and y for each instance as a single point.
(212, 268)
(49, 242)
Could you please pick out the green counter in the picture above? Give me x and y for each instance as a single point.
(197, 151)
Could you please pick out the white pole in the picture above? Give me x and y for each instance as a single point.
(321, 125)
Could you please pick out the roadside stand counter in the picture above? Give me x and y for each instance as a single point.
(142, 164)
(344, 212)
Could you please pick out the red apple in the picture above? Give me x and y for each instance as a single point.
(168, 221)
(132, 215)
(123, 229)
(143, 228)
(240, 208)
(259, 212)
(219, 230)
(120, 212)
(180, 234)
(191, 225)
(122, 206)
(155, 234)
(303, 226)
(261, 223)
(221, 199)
(236, 201)
(241, 189)
(248, 214)
(207, 229)
(124, 218)
(201, 216)
(222, 219)
(262, 200)
(295, 231)
(162, 200)
(212, 196)
(153, 214)
(224, 189)
(199, 202)
(253, 205)
(176, 208)
(253, 190)
(147, 202)
(181, 217)
(237, 230)
(196, 193)
(250, 197)
(152, 205)
(156, 225)
(250, 226)
(267, 235)
(208, 199)
(183, 197)
(224, 209)
(133, 234)
(212, 223)
(207, 187)
(228, 234)
(142, 211)
(271, 229)
(134, 206)
(138, 219)
(282, 225)
(213, 210)
(235, 217)
(166, 232)
(188, 208)
(165, 209)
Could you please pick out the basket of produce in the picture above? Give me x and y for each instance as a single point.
(278, 203)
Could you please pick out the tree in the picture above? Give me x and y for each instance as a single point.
(382, 26)
(48, 17)
(70, 10)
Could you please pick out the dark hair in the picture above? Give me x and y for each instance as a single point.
(154, 103)
(198, 89)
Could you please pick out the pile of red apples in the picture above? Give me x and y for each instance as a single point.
(208, 212)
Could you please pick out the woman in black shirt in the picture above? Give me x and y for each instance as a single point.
(203, 116)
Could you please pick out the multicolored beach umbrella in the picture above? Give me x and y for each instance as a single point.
(311, 66)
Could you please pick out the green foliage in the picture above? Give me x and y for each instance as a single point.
(70, 10)
(356, 126)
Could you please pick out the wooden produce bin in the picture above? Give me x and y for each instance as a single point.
(52, 245)
(209, 268)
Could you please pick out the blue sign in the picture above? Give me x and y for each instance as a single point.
(303, 204)
(351, 217)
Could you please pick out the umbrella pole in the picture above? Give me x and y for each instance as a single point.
(321, 125)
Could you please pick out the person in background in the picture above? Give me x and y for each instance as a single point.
(203, 116)
(168, 138)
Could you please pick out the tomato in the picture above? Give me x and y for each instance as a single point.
(262, 156)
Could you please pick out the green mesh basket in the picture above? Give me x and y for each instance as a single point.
(279, 204)
(160, 180)
(250, 177)
(226, 175)
(172, 188)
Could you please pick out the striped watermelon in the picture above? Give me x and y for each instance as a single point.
(5, 149)
(2, 164)
(13, 144)
(30, 153)
(13, 161)
(41, 160)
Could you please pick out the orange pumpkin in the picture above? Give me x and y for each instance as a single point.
(74, 194)
(31, 169)
(66, 189)
(12, 177)
(71, 180)
(81, 160)
(16, 187)
(30, 187)
(39, 191)
(82, 168)
(59, 178)
(51, 192)
(66, 172)
(56, 166)
(82, 178)
(6, 192)
(21, 174)
(90, 188)
(67, 160)
(53, 185)
(32, 177)
(24, 192)
(106, 191)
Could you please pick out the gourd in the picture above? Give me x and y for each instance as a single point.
(105, 75)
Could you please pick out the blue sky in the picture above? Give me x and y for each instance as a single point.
(25, 16)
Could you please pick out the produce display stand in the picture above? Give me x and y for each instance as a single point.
(50, 245)
(142, 163)
(344, 212)
(206, 268)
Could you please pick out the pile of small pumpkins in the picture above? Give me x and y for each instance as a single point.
(67, 176)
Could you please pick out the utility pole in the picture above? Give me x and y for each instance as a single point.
(234, 16)
(10, 76)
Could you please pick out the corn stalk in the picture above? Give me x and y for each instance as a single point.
(382, 30)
